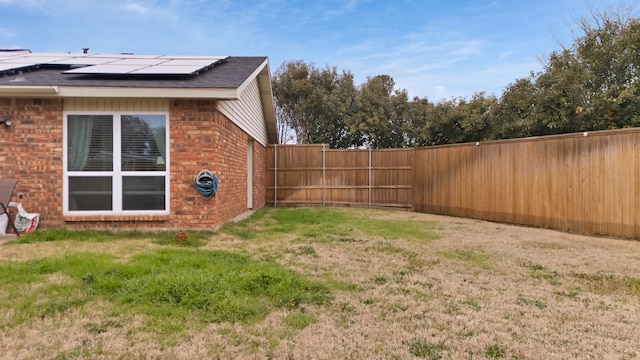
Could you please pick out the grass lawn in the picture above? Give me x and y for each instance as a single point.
(321, 283)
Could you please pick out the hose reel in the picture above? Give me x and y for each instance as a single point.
(206, 183)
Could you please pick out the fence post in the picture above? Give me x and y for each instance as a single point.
(275, 175)
(324, 171)
(370, 178)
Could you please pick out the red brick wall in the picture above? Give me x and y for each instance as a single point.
(203, 138)
(200, 138)
(31, 151)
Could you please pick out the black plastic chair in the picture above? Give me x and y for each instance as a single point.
(6, 192)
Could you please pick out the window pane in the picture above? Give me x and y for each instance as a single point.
(90, 193)
(143, 193)
(143, 142)
(90, 143)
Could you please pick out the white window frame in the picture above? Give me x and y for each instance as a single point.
(116, 174)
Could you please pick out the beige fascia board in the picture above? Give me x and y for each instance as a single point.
(17, 90)
(268, 106)
(263, 75)
(131, 92)
(119, 92)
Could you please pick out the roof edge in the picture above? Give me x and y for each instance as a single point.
(118, 92)
(263, 75)
(29, 90)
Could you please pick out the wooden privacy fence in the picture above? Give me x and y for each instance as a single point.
(317, 175)
(586, 182)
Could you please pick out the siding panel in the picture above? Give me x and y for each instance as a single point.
(247, 112)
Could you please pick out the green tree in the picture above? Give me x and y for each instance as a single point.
(315, 103)
(515, 113)
(560, 94)
(461, 120)
(476, 117)
(417, 116)
(609, 51)
(380, 118)
(591, 85)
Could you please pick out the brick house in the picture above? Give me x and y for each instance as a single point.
(116, 141)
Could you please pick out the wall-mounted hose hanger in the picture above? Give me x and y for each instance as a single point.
(206, 183)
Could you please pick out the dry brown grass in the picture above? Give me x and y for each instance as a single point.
(482, 290)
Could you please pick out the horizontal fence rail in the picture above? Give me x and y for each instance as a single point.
(585, 183)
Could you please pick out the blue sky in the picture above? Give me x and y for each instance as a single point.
(434, 49)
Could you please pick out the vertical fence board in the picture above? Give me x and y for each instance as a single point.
(636, 192)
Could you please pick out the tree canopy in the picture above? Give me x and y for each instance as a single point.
(593, 84)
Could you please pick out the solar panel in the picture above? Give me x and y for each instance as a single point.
(124, 56)
(189, 62)
(105, 69)
(37, 59)
(4, 56)
(192, 57)
(86, 61)
(112, 64)
(145, 62)
(168, 70)
(10, 66)
(46, 54)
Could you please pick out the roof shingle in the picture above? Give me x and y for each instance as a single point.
(226, 75)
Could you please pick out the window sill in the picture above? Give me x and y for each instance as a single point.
(115, 218)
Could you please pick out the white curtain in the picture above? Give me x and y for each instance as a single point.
(79, 139)
(160, 137)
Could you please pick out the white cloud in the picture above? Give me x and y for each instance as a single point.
(465, 48)
(440, 91)
(7, 33)
(137, 8)
(30, 3)
(347, 7)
